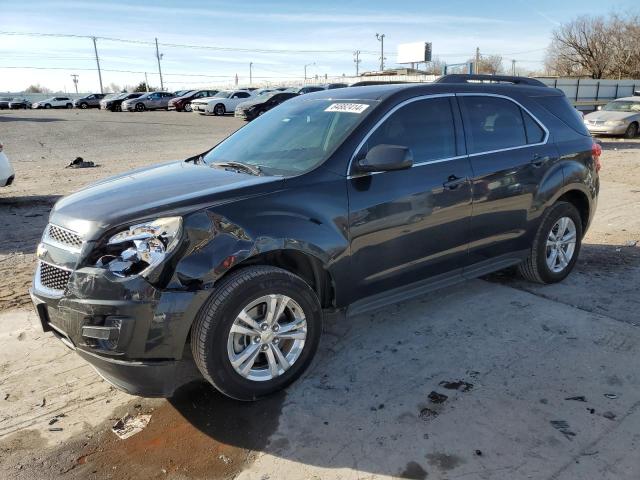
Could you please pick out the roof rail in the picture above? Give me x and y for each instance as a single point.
(463, 78)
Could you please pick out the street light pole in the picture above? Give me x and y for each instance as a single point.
(95, 49)
(305, 70)
(75, 80)
(380, 38)
(250, 73)
(357, 61)
(159, 56)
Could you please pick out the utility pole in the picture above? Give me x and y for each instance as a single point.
(250, 73)
(75, 80)
(476, 67)
(513, 68)
(146, 82)
(95, 49)
(356, 60)
(305, 70)
(380, 38)
(159, 56)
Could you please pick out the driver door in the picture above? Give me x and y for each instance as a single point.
(412, 225)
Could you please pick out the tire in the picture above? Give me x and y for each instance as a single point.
(117, 108)
(69, 105)
(140, 107)
(219, 110)
(47, 106)
(214, 344)
(536, 268)
(84, 106)
(632, 131)
(187, 107)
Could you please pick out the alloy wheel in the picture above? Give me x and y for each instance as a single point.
(561, 244)
(267, 337)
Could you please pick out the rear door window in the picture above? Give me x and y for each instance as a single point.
(424, 126)
(492, 123)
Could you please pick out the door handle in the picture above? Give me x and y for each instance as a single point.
(454, 182)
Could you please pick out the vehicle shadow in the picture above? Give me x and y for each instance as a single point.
(22, 221)
(10, 118)
(614, 143)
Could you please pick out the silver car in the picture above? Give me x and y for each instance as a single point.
(148, 101)
(620, 117)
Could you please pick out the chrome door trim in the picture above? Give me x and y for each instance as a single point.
(440, 95)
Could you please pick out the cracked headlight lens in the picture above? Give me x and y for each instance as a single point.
(142, 247)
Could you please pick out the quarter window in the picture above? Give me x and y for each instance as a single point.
(493, 123)
(424, 126)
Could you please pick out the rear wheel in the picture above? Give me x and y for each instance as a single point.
(631, 131)
(70, 105)
(556, 245)
(117, 108)
(187, 107)
(219, 109)
(84, 105)
(257, 333)
(47, 106)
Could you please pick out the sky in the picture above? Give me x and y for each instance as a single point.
(278, 38)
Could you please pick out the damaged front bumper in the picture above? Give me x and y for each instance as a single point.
(132, 333)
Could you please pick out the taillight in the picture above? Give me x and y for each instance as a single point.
(596, 151)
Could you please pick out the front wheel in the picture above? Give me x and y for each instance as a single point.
(47, 106)
(219, 109)
(631, 131)
(140, 107)
(257, 333)
(556, 245)
(84, 106)
(187, 107)
(69, 105)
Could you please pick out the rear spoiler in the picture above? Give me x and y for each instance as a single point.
(462, 78)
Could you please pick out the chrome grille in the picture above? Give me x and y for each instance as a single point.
(53, 277)
(63, 236)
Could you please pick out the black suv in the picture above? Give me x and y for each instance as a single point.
(354, 197)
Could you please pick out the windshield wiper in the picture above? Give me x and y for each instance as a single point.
(245, 167)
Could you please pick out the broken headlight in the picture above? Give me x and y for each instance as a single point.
(141, 247)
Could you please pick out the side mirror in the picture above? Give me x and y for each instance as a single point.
(384, 158)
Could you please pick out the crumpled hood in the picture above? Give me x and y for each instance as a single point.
(607, 116)
(169, 189)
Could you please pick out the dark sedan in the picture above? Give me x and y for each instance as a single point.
(114, 103)
(4, 102)
(19, 103)
(254, 108)
(183, 103)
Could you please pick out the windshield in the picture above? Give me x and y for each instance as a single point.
(622, 106)
(293, 138)
(223, 94)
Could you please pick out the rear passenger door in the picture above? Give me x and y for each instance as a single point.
(510, 158)
(411, 225)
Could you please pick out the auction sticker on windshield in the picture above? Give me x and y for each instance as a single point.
(347, 107)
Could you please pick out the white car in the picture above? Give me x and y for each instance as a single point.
(54, 102)
(6, 171)
(225, 101)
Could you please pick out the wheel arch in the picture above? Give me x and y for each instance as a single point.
(579, 200)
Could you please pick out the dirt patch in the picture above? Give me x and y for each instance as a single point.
(197, 434)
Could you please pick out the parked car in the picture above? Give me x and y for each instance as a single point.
(179, 93)
(331, 86)
(54, 102)
(7, 175)
(19, 103)
(261, 104)
(308, 89)
(183, 103)
(148, 101)
(347, 199)
(114, 102)
(221, 103)
(620, 117)
(4, 102)
(90, 101)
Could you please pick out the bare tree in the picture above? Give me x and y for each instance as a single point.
(37, 88)
(489, 65)
(599, 47)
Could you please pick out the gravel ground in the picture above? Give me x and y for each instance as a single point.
(523, 349)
